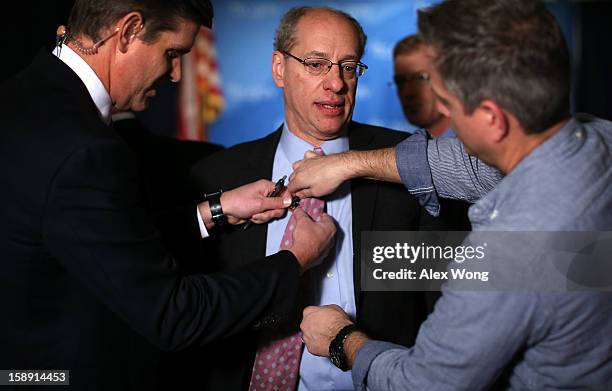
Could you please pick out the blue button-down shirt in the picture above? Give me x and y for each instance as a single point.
(551, 340)
(332, 281)
(417, 160)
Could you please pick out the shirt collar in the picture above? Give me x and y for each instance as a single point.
(94, 85)
(294, 147)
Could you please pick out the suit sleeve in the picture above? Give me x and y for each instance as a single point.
(96, 226)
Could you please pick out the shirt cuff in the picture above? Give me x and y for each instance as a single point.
(203, 231)
(365, 355)
(413, 167)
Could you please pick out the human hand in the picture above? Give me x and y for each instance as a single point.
(317, 176)
(312, 240)
(320, 325)
(250, 202)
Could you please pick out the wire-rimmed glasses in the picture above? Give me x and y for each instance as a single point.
(349, 69)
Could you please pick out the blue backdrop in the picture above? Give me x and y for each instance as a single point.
(244, 33)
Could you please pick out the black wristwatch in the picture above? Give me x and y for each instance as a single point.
(214, 203)
(336, 347)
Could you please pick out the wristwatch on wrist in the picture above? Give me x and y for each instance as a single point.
(336, 347)
(214, 203)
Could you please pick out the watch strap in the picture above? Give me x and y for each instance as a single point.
(336, 347)
(216, 211)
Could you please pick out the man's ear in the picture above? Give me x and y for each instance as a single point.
(278, 68)
(129, 27)
(495, 118)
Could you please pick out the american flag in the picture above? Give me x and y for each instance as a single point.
(200, 97)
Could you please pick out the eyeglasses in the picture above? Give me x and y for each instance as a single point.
(402, 80)
(320, 66)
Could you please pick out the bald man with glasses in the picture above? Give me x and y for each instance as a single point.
(317, 64)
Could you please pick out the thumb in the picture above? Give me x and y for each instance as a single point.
(309, 154)
(269, 203)
(295, 182)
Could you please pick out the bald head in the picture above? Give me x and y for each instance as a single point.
(286, 36)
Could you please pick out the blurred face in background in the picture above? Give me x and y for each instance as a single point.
(411, 74)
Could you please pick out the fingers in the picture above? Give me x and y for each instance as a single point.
(298, 190)
(295, 166)
(281, 201)
(309, 310)
(312, 309)
(323, 218)
(266, 216)
(295, 186)
(265, 186)
(285, 193)
(326, 219)
(309, 154)
(270, 203)
(301, 215)
(329, 311)
(335, 307)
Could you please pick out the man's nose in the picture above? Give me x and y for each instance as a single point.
(334, 80)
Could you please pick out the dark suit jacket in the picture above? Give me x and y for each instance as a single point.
(85, 282)
(165, 163)
(390, 316)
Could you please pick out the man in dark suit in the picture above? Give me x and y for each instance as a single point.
(319, 98)
(86, 283)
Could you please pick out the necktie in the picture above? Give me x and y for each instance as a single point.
(277, 361)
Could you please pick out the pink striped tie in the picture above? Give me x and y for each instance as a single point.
(277, 362)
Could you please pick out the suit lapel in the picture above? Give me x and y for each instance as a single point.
(260, 164)
(364, 194)
(363, 198)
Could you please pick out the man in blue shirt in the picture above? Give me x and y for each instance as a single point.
(502, 75)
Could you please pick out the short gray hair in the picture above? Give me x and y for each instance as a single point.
(510, 51)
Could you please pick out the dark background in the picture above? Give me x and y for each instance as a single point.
(31, 26)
